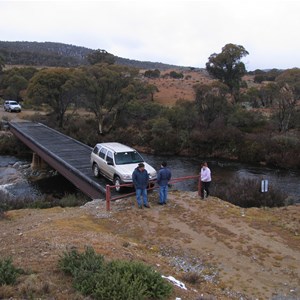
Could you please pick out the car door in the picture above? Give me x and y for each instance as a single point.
(101, 161)
(110, 167)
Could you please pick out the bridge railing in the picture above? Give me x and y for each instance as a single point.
(109, 198)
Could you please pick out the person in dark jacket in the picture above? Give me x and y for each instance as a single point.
(163, 177)
(140, 178)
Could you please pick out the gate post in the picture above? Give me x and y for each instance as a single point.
(107, 197)
(199, 186)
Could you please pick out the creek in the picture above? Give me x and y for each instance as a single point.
(14, 183)
(288, 181)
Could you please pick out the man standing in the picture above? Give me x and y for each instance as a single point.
(163, 178)
(140, 178)
(205, 177)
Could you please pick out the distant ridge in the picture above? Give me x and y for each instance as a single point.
(62, 55)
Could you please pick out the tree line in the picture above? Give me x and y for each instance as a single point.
(226, 119)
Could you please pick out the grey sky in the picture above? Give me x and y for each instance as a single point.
(182, 32)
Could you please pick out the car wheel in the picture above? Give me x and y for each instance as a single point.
(117, 183)
(96, 170)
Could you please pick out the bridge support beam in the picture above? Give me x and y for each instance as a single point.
(38, 162)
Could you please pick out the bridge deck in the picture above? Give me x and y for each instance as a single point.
(66, 155)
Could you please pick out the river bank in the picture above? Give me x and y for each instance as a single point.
(235, 253)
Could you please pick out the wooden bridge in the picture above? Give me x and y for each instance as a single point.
(68, 156)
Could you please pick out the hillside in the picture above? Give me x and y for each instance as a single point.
(236, 253)
(170, 90)
(64, 55)
(58, 54)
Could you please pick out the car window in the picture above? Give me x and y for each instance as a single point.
(96, 150)
(102, 153)
(109, 157)
(123, 158)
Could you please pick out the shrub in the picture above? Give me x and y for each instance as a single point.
(152, 73)
(8, 203)
(72, 200)
(246, 193)
(8, 273)
(113, 280)
(176, 75)
(71, 262)
(10, 145)
(69, 200)
(283, 151)
(192, 277)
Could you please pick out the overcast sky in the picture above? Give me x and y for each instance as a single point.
(183, 33)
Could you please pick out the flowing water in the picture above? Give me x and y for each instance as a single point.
(14, 183)
(288, 181)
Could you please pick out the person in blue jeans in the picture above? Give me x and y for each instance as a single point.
(163, 177)
(140, 178)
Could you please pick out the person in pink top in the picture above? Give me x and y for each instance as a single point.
(205, 177)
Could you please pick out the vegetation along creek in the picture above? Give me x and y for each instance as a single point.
(15, 183)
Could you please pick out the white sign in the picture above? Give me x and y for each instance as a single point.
(264, 186)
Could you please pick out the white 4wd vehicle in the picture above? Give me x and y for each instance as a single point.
(117, 162)
(12, 105)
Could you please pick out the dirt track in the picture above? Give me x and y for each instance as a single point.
(235, 252)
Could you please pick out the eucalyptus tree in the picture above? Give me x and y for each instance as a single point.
(292, 78)
(15, 85)
(228, 67)
(183, 117)
(100, 56)
(107, 90)
(211, 101)
(286, 107)
(268, 94)
(14, 82)
(56, 87)
(2, 63)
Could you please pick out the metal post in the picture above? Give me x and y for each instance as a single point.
(264, 186)
(108, 197)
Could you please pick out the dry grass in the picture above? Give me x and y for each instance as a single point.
(171, 90)
(209, 245)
